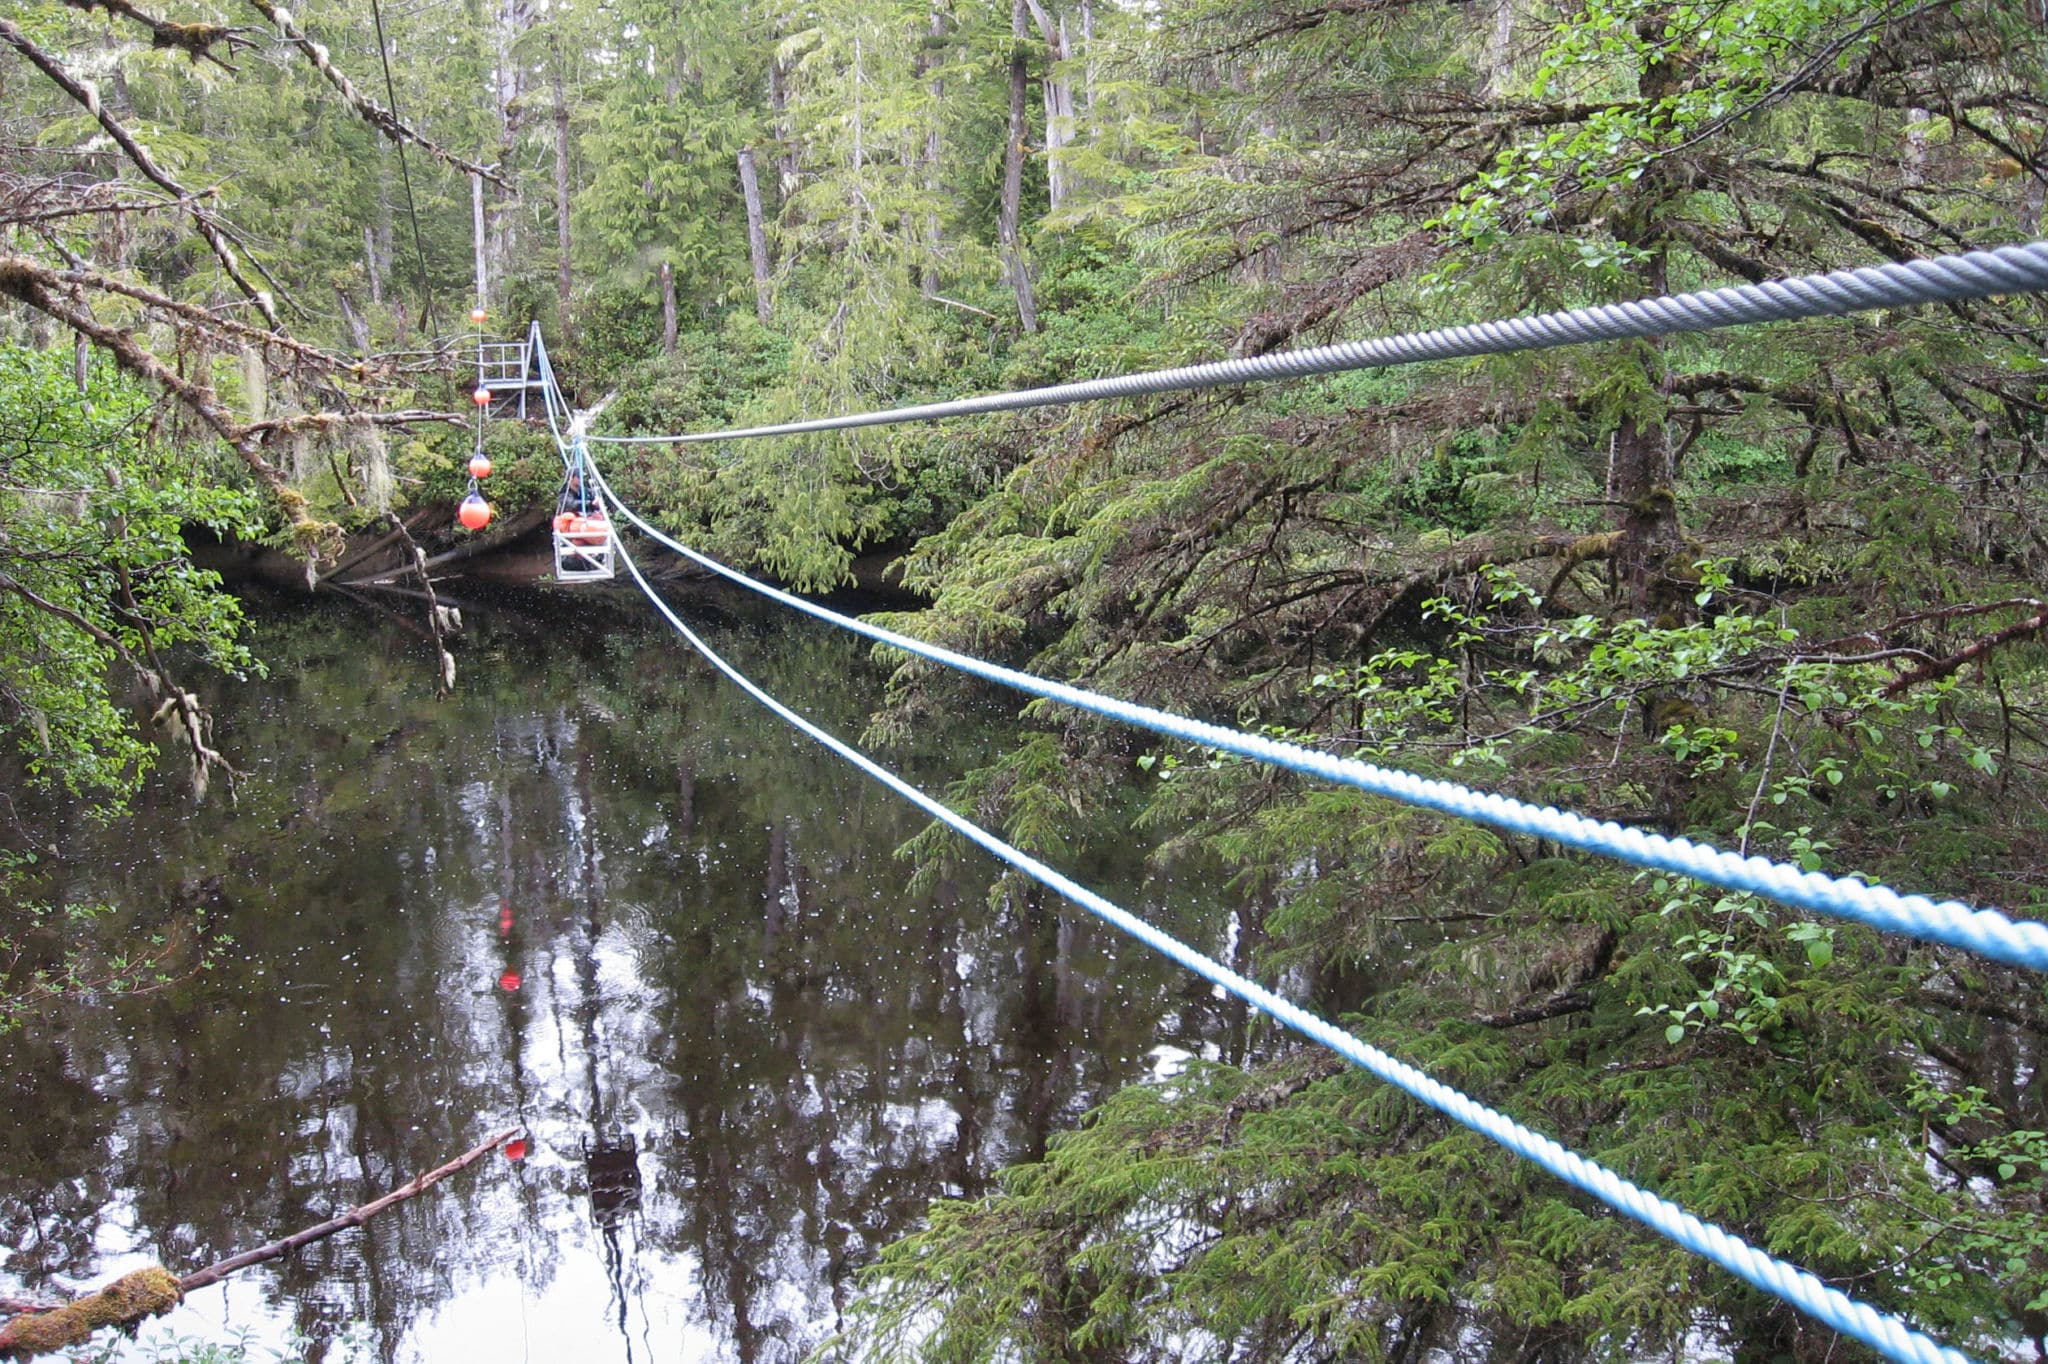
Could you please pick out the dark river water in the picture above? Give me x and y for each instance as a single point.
(598, 893)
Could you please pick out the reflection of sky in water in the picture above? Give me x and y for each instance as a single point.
(599, 894)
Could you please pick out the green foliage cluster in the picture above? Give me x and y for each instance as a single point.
(93, 569)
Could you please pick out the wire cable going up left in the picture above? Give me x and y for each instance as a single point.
(1883, 1332)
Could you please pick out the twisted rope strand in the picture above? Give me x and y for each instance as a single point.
(1937, 279)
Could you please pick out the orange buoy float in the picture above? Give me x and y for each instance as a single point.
(475, 513)
(477, 315)
(482, 396)
(479, 465)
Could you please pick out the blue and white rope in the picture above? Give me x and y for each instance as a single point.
(1937, 279)
(1883, 1332)
(1984, 931)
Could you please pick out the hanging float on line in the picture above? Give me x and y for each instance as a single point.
(583, 533)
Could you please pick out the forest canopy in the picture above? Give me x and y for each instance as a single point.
(1776, 588)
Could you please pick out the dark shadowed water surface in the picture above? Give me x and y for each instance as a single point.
(597, 892)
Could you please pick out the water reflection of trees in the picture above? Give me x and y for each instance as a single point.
(748, 1058)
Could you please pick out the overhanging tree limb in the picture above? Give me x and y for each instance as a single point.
(85, 95)
(371, 112)
(196, 41)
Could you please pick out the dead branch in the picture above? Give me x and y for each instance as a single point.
(354, 1217)
(1969, 653)
(328, 421)
(371, 112)
(152, 1292)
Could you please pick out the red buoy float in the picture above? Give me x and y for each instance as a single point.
(482, 396)
(509, 980)
(479, 465)
(475, 513)
(515, 1149)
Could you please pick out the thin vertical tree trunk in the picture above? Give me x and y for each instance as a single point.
(564, 278)
(476, 212)
(668, 309)
(1088, 59)
(933, 146)
(1914, 171)
(1009, 217)
(376, 276)
(785, 131)
(757, 233)
(381, 252)
(1500, 55)
(1059, 103)
(358, 329)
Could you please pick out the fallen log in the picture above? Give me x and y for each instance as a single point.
(153, 1291)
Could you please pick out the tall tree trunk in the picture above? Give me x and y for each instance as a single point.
(1642, 477)
(1914, 172)
(1088, 59)
(564, 279)
(785, 131)
(511, 20)
(385, 243)
(1009, 215)
(1059, 102)
(668, 309)
(757, 233)
(358, 329)
(933, 147)
(376, 276)
(476, 212)
(1500, 53)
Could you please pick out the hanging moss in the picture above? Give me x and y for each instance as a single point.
(127, 1300)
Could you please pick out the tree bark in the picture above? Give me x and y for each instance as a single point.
(668, 309)
(564, 277)
(757, 233)
(1010, 212)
